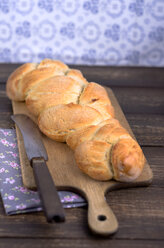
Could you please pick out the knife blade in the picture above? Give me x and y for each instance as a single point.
(37, 155)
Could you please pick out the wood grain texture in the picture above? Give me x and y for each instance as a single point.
(149, 129)
(140, 100)
(142, 220)
(146, 121)
(138, 210)
(155, 156)
(101, 219)
(79, 243)
(5, 120)
(108, 75)
(136, 99)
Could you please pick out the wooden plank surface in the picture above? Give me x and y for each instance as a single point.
(146, 122)
(108, 75)
(139, 216)
(149, 129)
(19, 107)
(79, 243)
(63, 161)
(132, 100)
(146, 128)
(140, 100)
(140, 211)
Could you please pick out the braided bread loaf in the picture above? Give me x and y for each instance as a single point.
(71, 110)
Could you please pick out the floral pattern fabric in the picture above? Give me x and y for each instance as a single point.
(94, 32)
(16, 198)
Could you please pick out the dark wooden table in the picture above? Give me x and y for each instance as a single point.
(140, 211)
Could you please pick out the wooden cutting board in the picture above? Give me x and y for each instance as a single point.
(67, 176)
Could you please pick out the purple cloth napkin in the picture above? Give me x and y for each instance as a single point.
(16, 198)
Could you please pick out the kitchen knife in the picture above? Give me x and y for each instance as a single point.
(37, 156)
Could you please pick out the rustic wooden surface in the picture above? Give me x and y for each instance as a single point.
(140, 211)
(63, 161)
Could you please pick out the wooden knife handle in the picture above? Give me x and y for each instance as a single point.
(51, 203)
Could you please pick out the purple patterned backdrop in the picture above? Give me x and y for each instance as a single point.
(101, 32)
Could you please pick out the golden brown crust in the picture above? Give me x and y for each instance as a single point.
(77, 76)
(92, 157)
(71, 109)
(127, 160)
(111, 133)
(35, 77)
(55, 64)
(94, 92)
(19, 82)
(12, 86)
(58, 121)
(87, 133)
(95, 96)
(51, 92)
(81, 135)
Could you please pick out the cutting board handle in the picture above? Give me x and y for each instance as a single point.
(101, 218)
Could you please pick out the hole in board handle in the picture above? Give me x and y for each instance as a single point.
(102, 217)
